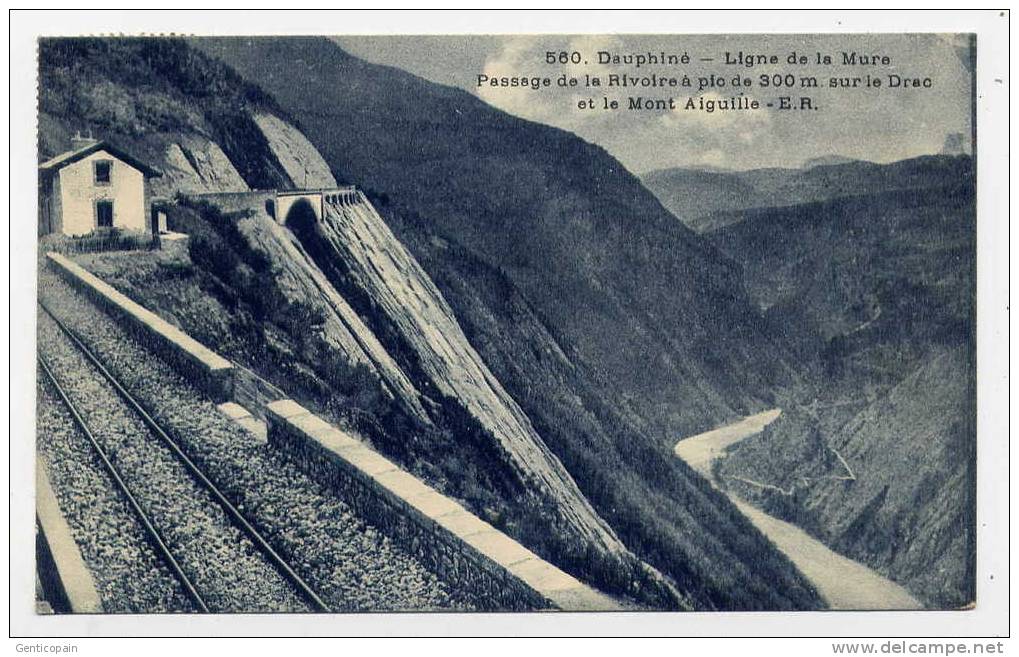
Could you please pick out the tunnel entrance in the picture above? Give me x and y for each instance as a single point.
(301, 217)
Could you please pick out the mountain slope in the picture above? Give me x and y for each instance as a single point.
(891, 486)
(694, 196)
(611, 325)
(640, 297)
(876, 295)
(164, 102)
(551, 289)
(895, 264)
(352, 233)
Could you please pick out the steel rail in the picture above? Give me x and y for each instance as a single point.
(150, 530)
(252, 533)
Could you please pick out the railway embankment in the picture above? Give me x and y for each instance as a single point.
(407, 555)
(450, 539)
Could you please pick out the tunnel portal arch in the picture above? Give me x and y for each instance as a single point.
(301, 215)
(315, 199)
(284, 203)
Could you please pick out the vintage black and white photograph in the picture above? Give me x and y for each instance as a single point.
(451, 323)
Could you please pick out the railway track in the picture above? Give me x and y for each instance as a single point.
(302, 588)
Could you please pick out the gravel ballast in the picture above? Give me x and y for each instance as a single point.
(226, 568)
(129, 576)
(350, 564)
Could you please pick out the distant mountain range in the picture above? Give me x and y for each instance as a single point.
(827, 160)
(707, 200)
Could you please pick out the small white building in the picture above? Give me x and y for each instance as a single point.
(94, 185)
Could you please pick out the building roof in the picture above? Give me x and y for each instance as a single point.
(70, 157)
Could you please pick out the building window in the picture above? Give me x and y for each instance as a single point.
(104, 214)
(103, 171)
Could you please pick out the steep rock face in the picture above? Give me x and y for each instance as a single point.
(189, 162)
(303, 164)
(673, 521)
(634, 293)
(918, 485)
(299, 278)
(195, 166)
(381, 266)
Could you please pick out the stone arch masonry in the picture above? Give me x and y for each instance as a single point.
(469, 554)
(316, 197)
(281, 202)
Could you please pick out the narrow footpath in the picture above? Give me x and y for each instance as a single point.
(843, 583)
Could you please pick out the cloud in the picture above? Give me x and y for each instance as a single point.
(525, 56)
(881, 125)
(695, 135)
(590, 44)
(517, 58)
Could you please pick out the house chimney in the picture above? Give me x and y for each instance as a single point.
(77, 141)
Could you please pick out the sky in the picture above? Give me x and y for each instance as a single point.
(880, 125)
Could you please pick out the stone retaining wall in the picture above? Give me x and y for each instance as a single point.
(196, 362)
(66, 581)
(253, 392)
(471, 555)
(236, 201)
(475, 558)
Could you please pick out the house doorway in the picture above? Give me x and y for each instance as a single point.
(104, 214)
